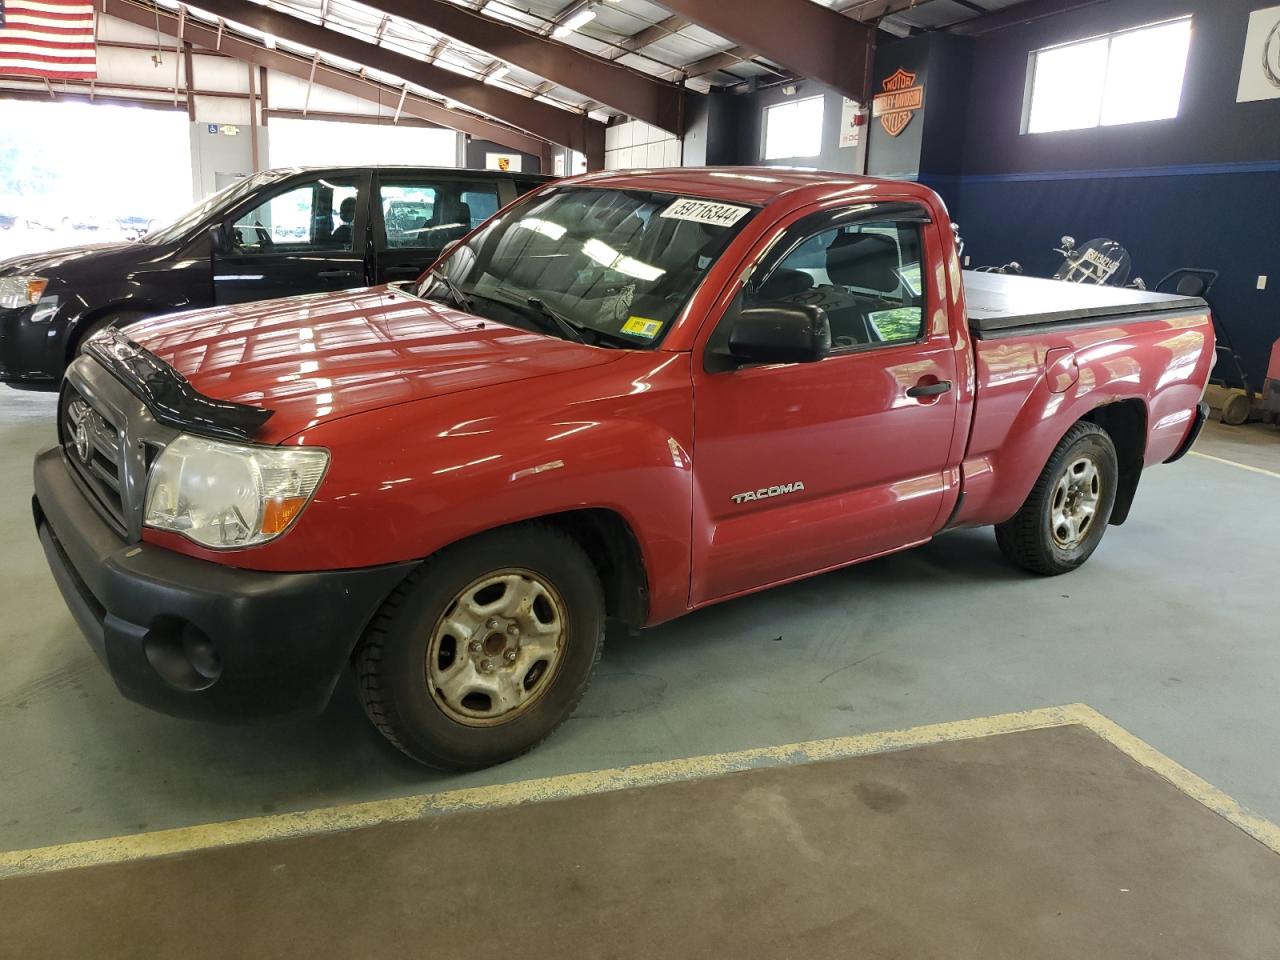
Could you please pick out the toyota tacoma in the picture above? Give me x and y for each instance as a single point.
(624, 397)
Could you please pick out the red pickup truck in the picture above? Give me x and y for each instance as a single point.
(624, 397)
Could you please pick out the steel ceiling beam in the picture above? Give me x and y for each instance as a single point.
(653, 33)
(805, 37)
(1018, 15)
(633, 93)
(547, 122)
(250, 51)
(717, 61)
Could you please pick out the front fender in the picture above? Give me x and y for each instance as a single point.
(406, 481)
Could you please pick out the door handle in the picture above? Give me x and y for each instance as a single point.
(929, 389)
(335, 274)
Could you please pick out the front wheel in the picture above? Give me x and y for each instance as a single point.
(1064, 518)
(487, 648)
(86, 333)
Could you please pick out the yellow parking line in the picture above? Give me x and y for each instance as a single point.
(1193, 786)
(1232, 463)
(351, 816)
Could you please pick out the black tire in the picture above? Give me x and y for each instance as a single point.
(1028, 538)
(391, 662)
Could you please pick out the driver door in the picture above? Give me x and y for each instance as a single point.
(306, 237)
(803, 467)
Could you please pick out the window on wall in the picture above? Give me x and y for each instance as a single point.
(793, 129)
(1125, 77)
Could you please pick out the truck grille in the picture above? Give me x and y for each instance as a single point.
(92, 444)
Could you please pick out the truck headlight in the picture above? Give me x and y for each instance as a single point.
(226, 495)
(19, 292)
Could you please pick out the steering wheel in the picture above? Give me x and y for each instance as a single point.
(264, 235)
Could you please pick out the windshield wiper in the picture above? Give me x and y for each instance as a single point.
(455, 291)
(558, 320)
(597, 336)
(562, 324)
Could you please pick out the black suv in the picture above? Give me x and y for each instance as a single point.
(277, 233)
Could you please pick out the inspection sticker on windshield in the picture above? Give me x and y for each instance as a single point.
(642, 327)
(705, 211)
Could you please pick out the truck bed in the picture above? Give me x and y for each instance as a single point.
(1000, 302)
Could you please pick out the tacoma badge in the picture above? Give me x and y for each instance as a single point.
(764, 493)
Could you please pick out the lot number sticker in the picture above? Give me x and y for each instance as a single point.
(705, 211)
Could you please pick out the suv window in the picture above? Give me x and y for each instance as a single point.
(866, 276)
(316, 215)
(406, 211)
(482, 203)
(430, 214)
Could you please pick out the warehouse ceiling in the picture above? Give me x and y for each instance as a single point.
(531, 74)
(642, 36)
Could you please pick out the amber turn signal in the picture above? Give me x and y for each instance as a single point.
(278, 513)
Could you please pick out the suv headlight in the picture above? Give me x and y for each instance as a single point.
(19, 292)
(227, 495)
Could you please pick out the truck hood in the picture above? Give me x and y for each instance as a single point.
(319, 357)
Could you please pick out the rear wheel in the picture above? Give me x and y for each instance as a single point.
(485, 649)
(1064, 518)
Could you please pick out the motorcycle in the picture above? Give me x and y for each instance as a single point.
(1099, 261)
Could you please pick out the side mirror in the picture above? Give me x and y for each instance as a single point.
(780, 333)
(218, 239)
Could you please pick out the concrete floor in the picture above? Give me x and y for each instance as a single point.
(1048, 843)
(1170, 630)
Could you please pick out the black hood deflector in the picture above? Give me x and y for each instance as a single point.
(169, 395)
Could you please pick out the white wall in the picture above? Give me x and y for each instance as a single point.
(320, 142)
(636, 144)
(217, 158)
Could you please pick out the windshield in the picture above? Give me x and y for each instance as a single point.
(223, 198)
(614, 267)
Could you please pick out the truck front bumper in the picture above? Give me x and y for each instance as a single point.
(197, 639)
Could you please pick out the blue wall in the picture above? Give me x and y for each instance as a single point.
(1200, 190)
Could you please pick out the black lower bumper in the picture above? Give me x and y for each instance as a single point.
(198, 639)
(1202, 414)
(27, 349)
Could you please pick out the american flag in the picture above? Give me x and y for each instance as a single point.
(47, 38)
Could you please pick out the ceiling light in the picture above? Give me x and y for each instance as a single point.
(579, 19)
(497, 73)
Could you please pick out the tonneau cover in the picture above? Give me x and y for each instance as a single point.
(998, 302)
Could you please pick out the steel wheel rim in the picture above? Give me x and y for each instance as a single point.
(1075, 502)
(497, 648)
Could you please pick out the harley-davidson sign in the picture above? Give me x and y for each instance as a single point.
(898, 103)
